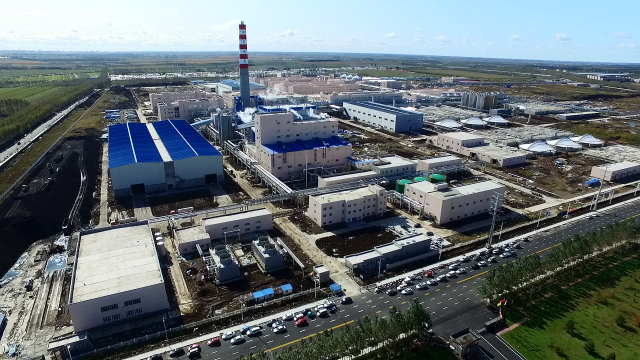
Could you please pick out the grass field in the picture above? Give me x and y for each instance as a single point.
(388, 73)
(593, 305)
(27, 76)
(468, 73)
(29, 93)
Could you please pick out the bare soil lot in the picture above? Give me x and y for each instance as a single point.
(198, 199)
(355, 241)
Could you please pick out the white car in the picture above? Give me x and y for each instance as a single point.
(329, 304)
(287, 317)
(401, 286)
(407, 291)
(254, 331)
(492, 259)
(505, 254)
(421, 286)
(464, 258)
(298, 316)
(228, 336)
(441, 278)
(280, 329)
(482, 263)
(496, 251)
(237, 340)
(461, 271)
(432, 282)
(322, 312)
(451, 274)
(453, 267)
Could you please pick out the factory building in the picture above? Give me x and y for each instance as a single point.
(388, 256)
(236, 225)
(380, 97)
(164, 155)
(433, 163)
(617, 171)
(286, 148)
(389, 118)
(497, 156)
(347, 206)
(479, 101)
(268, 255)
(226, 268)
(189, 109)
(168, 98)
(329, 180)
(443, 204)
(116, 277)
(189, 238)
(578, 116)
(393, 165)
(610, 77)
(457, 141)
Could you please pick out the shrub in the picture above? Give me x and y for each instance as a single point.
(611, 356)
(559, 351)
(637, 320)
(570, 327)
(589, 346)
(620, 320)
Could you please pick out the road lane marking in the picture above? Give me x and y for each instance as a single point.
(252, 347)
(378, 312)
(308, 336)
(361, 310)
(437, 290)
(270, 341)
(332, 320)
(347, 315)
(386, 302)
(474, 276)
(372, 306)
(466, 299)
(426, 294)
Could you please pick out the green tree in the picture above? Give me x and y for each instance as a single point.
(589, 346)
(620, 320)
(611, 356)
(570, 327)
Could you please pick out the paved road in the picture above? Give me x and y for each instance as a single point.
(453, 305)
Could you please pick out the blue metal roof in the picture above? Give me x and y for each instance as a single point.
(300, 145)
(130, 143)
(182, 141)
(268, 291)
(286, 287)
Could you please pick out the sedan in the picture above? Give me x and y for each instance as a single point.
(441, 278)
(176, 352)
(280, 329)
(277, 323)
(407, 291)
(301, 322)
(228, 336)
(237, 340)
(432, 283)
(429, 274)
(214, 342)
(299, 316)
(271, 322)
(475, 266)
(346, 300)
(492, 259)
(461, 271)
(451, 274)
(453, 267)
(195, 348)
(496, 251)
(287, 317)
(155, 357)
(482, 263)
(421, 286)
(392, 292)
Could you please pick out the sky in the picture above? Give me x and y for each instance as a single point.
(565, 30)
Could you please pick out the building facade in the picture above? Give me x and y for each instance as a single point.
(456, 141)
(167, 98)
(267, 254)
(347, 206)
(189, 109)
(393, 165)
(389, 118)
(386, 257)
(235, 225)
(433, 163)
(615, 171)
(381, 97)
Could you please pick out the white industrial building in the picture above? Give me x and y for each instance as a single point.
(347, 206)
(167, 98)
(286, 148)
(617, 171)
(430, 164)
(443, 204)
(330, 180)
(384, 97)
(116, 277)
(238, 224)
(387, 117)
(164, 155)
(388, 256)
(475, 147)
(393, 165)
(457, 141)
(268, 254)
(189, 109)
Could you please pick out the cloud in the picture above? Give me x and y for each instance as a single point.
(620, 34)
(418, 39)
(465, 40)
(562, 37)
(516, 38)
(288, 33)
(392, 35)
(418, 29)
(227, 25)
(442, 39)
(632, 45)
(380, 42)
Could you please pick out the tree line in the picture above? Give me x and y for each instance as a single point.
(524, 273)
(12, 106)
(388, 336)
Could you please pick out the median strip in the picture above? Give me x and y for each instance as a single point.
(309, 336)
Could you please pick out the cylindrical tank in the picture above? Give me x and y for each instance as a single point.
(162, 250)
(437, 178)
(159, 238)
(420, 178)
(400, 184)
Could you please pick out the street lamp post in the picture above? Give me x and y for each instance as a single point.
(539, 217)
(500, 235)
(166, 336)
(595, 206)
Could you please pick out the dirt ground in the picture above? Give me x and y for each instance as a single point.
(198, 199)
(355, 241)
(520, 200)
(306, 225)
(565, 180)
(302, 256)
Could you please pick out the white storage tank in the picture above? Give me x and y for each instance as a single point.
(162, 250)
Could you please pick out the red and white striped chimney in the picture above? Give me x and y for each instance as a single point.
(245, 92)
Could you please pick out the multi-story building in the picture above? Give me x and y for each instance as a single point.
(189, 109)
(474, 146)
(617, 171)
(443, 204)
(235, 225)
(393, 165)
(347, 206)
(381, 97)
(318, 88)
(387, 117)
(286, 148)
(457, 141)
(167, 98)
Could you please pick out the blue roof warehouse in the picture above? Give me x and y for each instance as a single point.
(165, 155)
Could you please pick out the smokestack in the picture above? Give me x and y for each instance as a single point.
(245, 92)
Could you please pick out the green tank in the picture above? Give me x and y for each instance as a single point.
(400, 184)
(437, 178)
(420, 178)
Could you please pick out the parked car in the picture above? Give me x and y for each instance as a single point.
(214, 341)
(493, 259)
(422, 286)
(451, 274)
(346, 300)
(287, 317)
(280, 329)
(518, 246)
(301, 322)
(483, 252)
(429, 273)
(155, 357)
(432, 282)
(228, 336)
(482, 263)
(176, 352)
(271, 322)
(429, 233)
(254, 331)
(505, 254)
(453, 266)
(464, 259)
(475, 266)
(392, 292)
(329, 304)
(194, 348)
(461, 271)
(298, 316)
(277, 323)
(322, 312)
(401, 286)
(237, 340)
(441, 278)
(407, 291)
(496, 251)
(526, 239)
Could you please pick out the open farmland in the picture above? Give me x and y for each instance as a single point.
(29, 93)
(604, 308)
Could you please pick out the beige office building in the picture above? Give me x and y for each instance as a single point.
(446, 204)
(347, 206)
(617, 171)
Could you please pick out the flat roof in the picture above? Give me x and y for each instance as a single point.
(343, 195)
(393, 161)
(233, 217)
(478, 187)
(461, 135)
(350, 175)
(441, 159)
(114, 261)
(302, 145)
(618, 166)
(191, 234)
(384, 108)
(498, 152)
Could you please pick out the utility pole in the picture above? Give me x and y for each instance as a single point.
(539, 217)
(595, 206)
(500, 235)
(379, 267)
(496, 204)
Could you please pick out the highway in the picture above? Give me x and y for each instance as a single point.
(454, 304)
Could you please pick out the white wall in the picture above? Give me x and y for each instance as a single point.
(122, 177)
(252, 222)
(347, 209)
(199, 166)
(87, 314)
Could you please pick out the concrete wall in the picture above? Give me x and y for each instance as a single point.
(122, 177)
(199, 166)
(87, 314)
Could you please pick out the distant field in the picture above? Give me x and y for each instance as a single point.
(387, 73)
(470, 74)
(593, 305)
(618, 131)
(28, 93)
(30, 76)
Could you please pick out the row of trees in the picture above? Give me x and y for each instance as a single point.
(523, 273)
(12, 106)
(388, 336)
